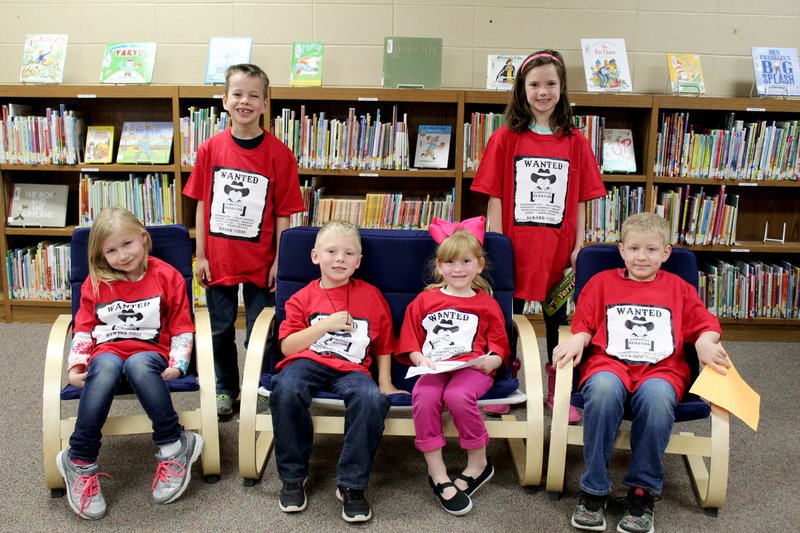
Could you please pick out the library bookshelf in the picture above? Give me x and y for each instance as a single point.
(761, 201)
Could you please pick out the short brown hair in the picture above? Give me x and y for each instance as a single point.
(249, 70)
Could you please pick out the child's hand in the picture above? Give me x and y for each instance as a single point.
(171, 373)
(420, 360)
(77, 376)
(273, 274)
(488, 364)
(569, 350)
(710, 352)
(339, 321)
(203, 272)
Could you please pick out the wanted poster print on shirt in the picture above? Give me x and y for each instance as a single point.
(540, 191)
(350, 345)
(121, 320)
(448, 333)
(639, 334)
(238, 200)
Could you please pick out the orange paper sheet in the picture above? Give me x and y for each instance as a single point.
(729, 392)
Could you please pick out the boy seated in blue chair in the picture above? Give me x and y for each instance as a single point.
(633, 323)
(333, 328)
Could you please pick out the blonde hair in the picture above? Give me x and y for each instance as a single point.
(646, 223)
(341, 228)
(108, 221)
(457, 246)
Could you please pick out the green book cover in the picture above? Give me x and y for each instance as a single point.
(412, 61)
(559, 294)
(128, 63)
(306, 64)
(145, 142)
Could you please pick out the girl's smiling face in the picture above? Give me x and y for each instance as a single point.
(543, 91)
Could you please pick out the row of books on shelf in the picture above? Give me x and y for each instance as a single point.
(476, 134)
(697, 218)
(151, 197)
(356, 143)
(39, 272)
(762, 150)
(605, 215)
(198, 127)
(751, 289)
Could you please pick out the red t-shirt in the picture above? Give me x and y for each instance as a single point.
(243, 192)
(540, 180)
(445, 327)
(341, 351)
(128, 317)
(639, 329)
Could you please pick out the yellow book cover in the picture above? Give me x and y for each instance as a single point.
(99, 144)
(685, 73)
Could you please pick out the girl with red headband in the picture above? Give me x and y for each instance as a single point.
(538, 172)
(455, 319)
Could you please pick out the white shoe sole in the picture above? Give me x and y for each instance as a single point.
(76, 508)
(352, 519)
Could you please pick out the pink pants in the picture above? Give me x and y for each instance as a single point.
(459, 392)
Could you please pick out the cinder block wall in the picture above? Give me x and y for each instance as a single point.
(721, 31)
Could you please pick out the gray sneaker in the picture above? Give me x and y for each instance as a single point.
(224, 403)
(173, 473)
(638, 517)
(83, 487)
(589, 515)
(262, 405)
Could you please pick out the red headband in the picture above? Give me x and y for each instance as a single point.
(536, 56)
(441, 229)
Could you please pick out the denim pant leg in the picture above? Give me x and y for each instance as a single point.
(223, 306)
(143, 371)
(552, 325)
(363, 427)
(653, 408)
(255, 300)
(604, 398)
(104, 375)
(292, 390)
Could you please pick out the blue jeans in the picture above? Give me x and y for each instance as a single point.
(143, 372)
(292, 390)
(653, 410)
(223, 307)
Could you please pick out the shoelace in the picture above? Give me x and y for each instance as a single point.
(89, 488)
(165, 471)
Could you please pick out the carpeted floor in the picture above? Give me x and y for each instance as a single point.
(763, 471)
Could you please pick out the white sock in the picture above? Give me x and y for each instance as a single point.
(169, 450)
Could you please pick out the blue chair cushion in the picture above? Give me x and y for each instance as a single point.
(186, 383)
(690, 408)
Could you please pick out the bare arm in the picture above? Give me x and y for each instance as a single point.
(494, 212)
(710, 352)
(281, 224)
(202, 270)
(580, 233)
(385, 375)
(571, 349)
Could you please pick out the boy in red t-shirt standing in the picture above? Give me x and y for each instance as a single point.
(246, 186)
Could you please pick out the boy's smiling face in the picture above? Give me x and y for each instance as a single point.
(338, 256)
(643, 252)
(245, 101)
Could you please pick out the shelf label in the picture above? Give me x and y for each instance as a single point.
(743, 250)
(90, 169)
(217, 96)
(367, 99)
(748, 184)
(756, 109)
(87, 96)
(367, 174)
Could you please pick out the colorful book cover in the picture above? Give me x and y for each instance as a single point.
(433, 146)
(99, 144)
(306, 64)
(606, 65)
(685, 73)
(43, 58)
(560, 294)
(128, 63)
(412, 62)
(776, 71)
(618, 154)
(501, 70)
(145, 142)
(224, 52)
(34, 204)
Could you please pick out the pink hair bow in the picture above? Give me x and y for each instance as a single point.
(441, 229)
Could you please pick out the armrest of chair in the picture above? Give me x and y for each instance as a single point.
(529, 356)
(58, 345)
(206, 376)
(559, 426)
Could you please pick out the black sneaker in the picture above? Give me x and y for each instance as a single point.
(356, 507)
(589, 514)
(638, 516)
(293, 497)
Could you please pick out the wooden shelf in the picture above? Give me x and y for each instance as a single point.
(90, 168)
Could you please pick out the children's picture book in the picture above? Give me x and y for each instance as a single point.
(606, 65)
(433, 146)
(501, 71)
(618, 154)
(43, 58)
(412, 62)
(685, 73)
(306, 64)
(145, 142)
(34, 204)
(99, 144)
(128, 63)
(776, 71)
(224, 52)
